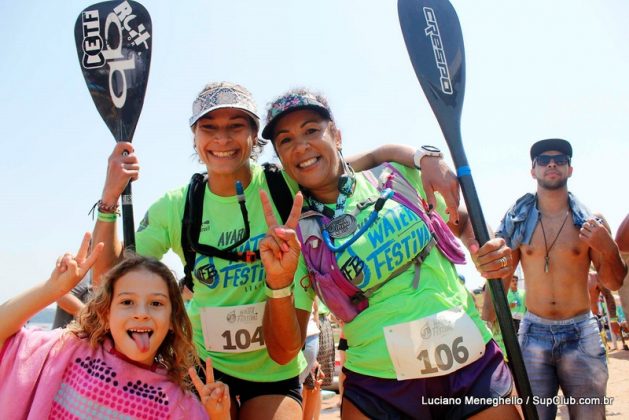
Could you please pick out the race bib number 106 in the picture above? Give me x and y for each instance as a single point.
(233, 329)
(435, 345)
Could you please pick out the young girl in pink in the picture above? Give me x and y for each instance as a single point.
(127, 356)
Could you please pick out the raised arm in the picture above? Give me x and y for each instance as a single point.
(604, 252)
(397, 153)
(122, 167)
(284, 326)
(68, 271)
(436, 174)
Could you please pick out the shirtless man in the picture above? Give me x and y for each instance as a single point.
(555, 238)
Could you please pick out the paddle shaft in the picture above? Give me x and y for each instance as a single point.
(128, 229)
(113, 43)
(128, 225)
(434, 41)
(501, 305)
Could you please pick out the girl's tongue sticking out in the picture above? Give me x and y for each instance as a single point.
(141, 339)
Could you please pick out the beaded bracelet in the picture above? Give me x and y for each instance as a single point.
(106, 208)
(107, 217)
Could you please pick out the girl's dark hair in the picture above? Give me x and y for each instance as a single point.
(176, 353)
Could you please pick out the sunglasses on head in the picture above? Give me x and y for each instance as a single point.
(559, 160)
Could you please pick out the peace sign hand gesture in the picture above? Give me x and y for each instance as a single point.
(70, 269)
(280, 248)
(214, 395)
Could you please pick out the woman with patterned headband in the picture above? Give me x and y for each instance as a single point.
(232, 286)
(416, 343)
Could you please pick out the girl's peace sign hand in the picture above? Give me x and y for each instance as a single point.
(214, 395)
(280, 248)
(70, 269)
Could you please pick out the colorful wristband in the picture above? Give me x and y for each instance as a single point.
(107, 217)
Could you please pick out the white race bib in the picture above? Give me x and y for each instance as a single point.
(435, 345)
(233, 329)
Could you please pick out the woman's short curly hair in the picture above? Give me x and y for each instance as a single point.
(294, 99)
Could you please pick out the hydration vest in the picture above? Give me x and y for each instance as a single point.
(191, 224)
(337, 292)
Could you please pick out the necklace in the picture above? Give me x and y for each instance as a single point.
(548, 248)
(342, 224)
(377, 206)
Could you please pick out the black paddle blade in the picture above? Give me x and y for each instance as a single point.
(434, 42)
(113, 42)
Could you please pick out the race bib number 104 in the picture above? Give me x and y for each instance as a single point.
(233, 329)
(435, 345)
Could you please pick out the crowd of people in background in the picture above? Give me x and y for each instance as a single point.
(274, 253)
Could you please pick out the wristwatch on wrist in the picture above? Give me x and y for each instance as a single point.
(279, 293)
(425, 150)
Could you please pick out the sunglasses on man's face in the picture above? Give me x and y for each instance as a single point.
(559, 160)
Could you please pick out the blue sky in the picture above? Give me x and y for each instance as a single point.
(535, 69)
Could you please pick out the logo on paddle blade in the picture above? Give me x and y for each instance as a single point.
(98, 52)
(113, 44)
(432, 30)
